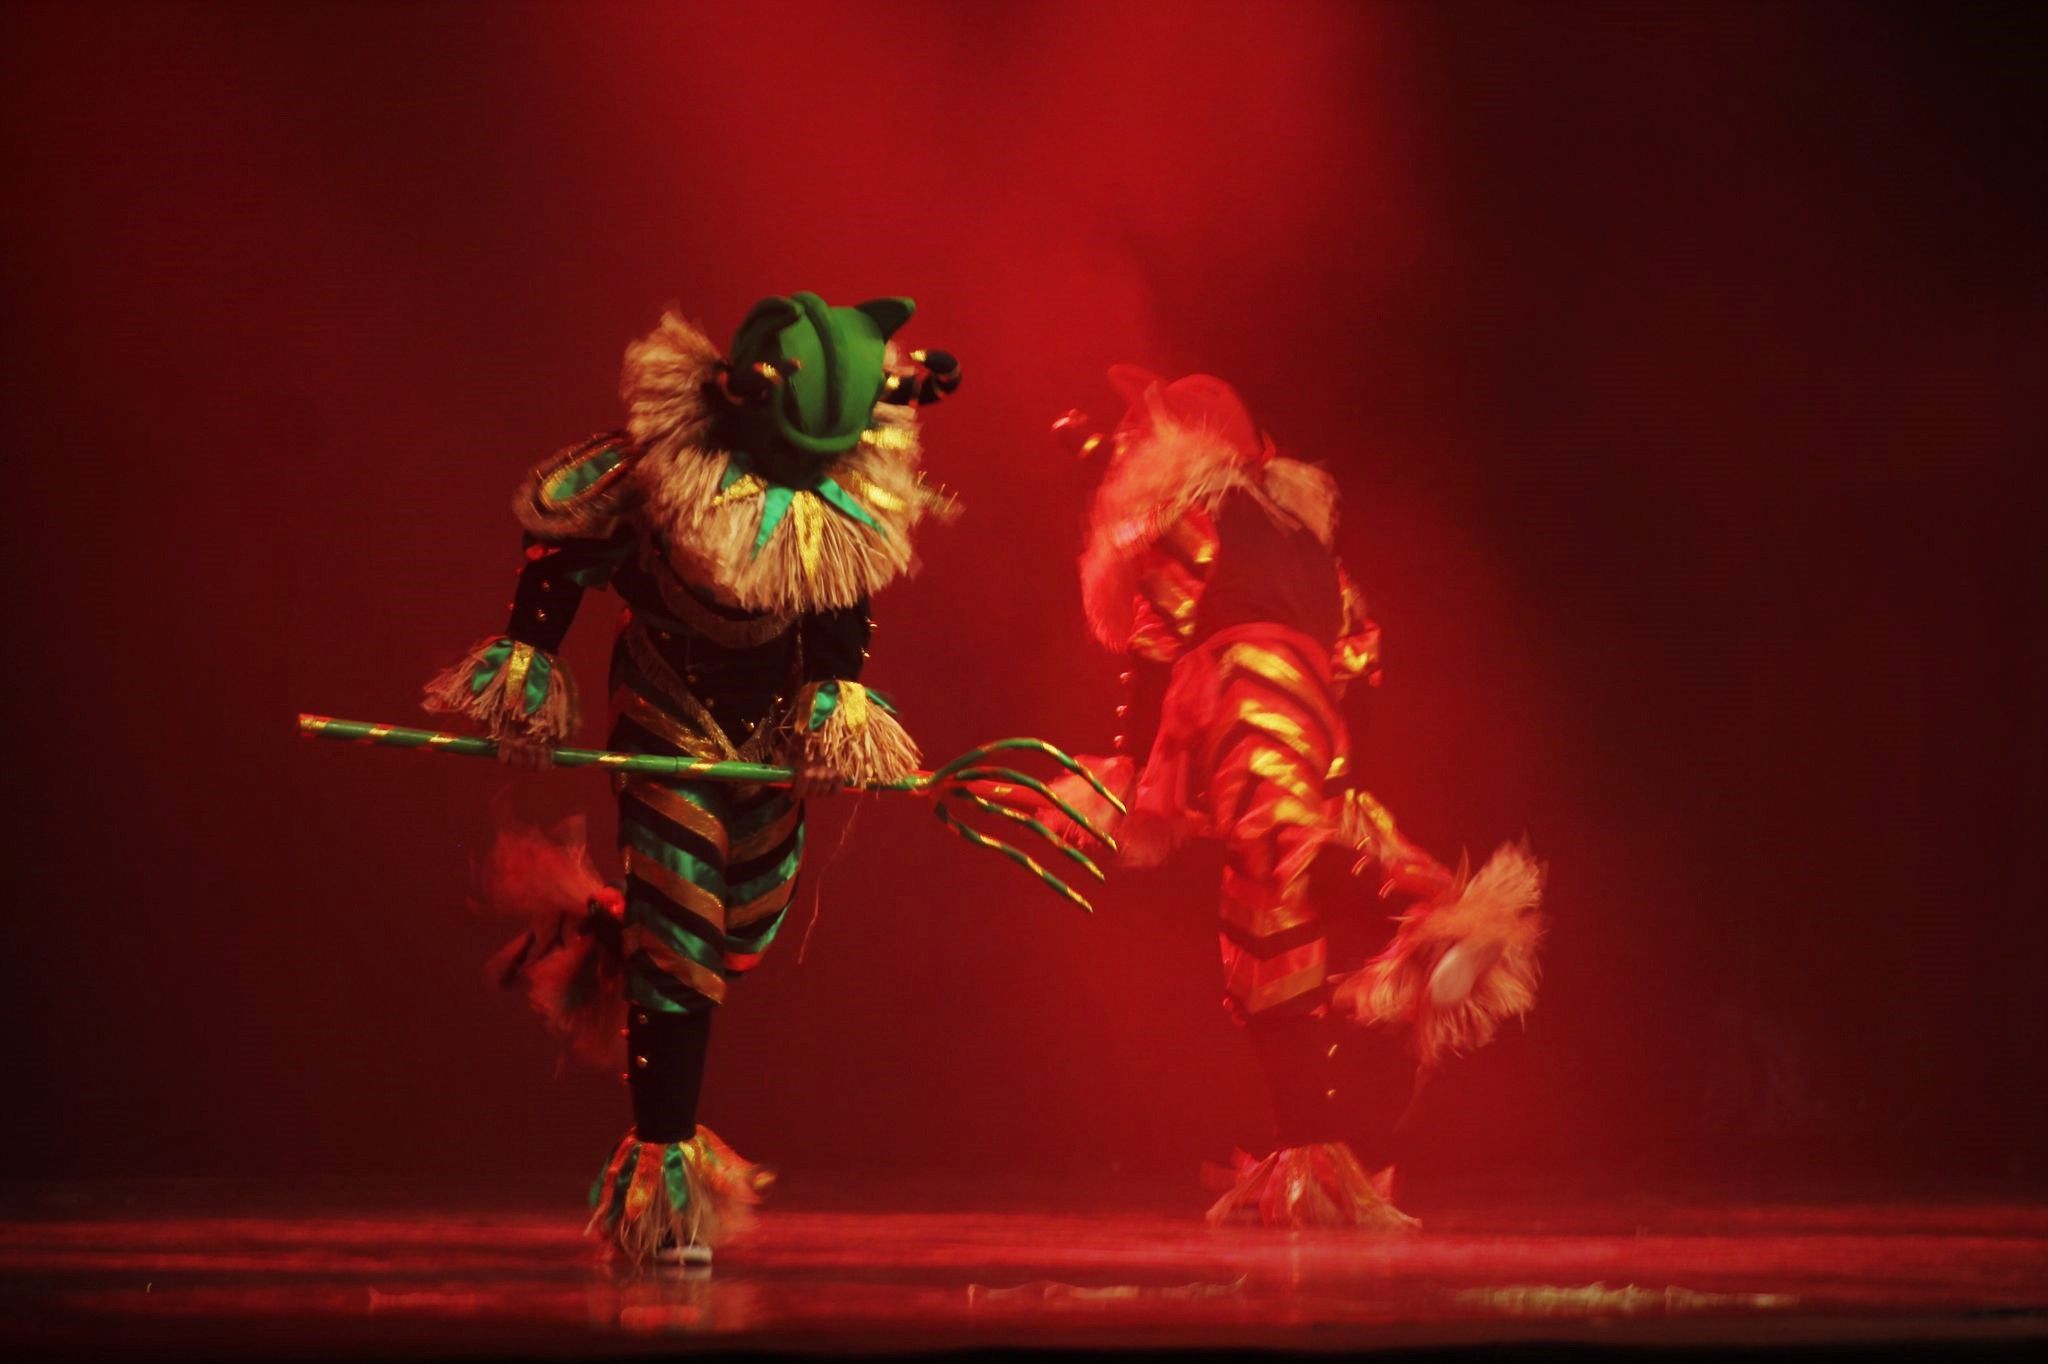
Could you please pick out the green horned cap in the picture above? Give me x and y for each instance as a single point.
(827, 364)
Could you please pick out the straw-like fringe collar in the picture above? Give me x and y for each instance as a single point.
(709, 525)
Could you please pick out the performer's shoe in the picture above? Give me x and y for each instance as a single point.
(668, 1203)
(684, 1255)
(1320, 1185)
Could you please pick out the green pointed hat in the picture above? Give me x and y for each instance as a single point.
(805, 375)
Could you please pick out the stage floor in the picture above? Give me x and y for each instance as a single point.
(362, 1275)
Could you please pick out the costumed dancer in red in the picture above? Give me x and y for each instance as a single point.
(1209, 564)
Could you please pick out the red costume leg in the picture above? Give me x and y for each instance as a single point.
(1274, 736)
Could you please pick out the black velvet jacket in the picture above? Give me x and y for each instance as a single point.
(743, 668)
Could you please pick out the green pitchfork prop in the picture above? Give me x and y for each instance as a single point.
(953, 781)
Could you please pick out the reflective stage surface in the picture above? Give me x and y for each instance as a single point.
(353, 1272)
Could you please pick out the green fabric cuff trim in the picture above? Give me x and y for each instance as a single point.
(672, 1175)
(540, 672)
(826, 700)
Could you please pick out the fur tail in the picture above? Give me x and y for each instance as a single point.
(1491, 917)
(568, 961)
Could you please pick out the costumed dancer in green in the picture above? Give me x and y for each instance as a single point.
(750, 508)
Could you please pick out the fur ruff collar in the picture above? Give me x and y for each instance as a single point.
(821, 549)
(1157, 475)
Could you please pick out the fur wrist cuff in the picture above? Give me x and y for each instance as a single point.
(505, 687)
(854, 731)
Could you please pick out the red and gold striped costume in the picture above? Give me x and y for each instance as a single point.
(1250, 737)
(1210, 564)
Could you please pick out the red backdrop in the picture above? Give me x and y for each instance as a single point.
(1681, 365)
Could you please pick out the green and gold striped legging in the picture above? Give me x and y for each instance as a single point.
(710, 871)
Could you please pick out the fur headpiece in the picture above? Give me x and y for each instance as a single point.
(1188, 443)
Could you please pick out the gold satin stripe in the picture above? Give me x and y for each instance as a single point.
(1298, 705)
(766, 839)
(1260, 985)
(1352, 659)
(1176, 609)
(680, 889)
(1271, 971)
(1280, 729)
(1263, 921)
(741, 488)
(1280, 812)
(807, 517)
(664, 726)
(1240, 970)
(1281, 991)
(1289, 773)
(1172, 593)
(1379, 815)
(1195, 536)
(1265, 663)
(675, 965)
(680, 809)
(1284, 728)
(655, 669)
(875, 495)
(773, 902)
(892, 439)
(1257, 825)
(1310, 695)
(853, 706)
(516, 668)
(1151, 637)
